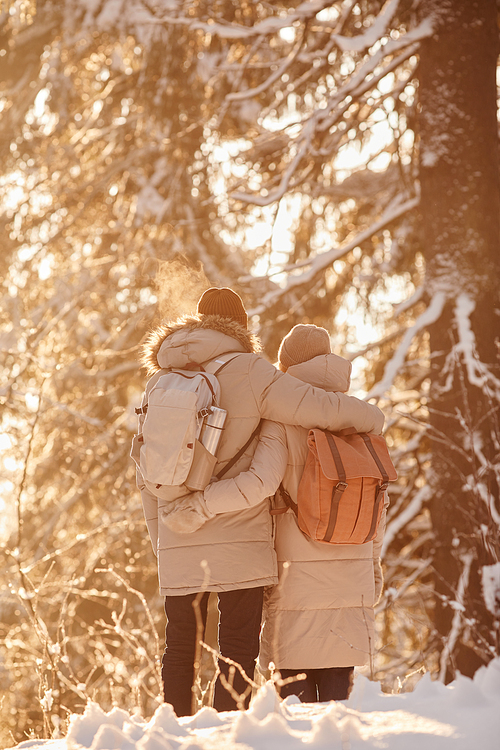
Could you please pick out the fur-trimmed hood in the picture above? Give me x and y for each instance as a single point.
(194, 339)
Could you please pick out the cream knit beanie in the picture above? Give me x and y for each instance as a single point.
(302, 343)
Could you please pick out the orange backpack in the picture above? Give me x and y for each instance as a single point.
(341, 492)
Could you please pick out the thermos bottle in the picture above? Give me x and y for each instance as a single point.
(204, 459)
(211, 429)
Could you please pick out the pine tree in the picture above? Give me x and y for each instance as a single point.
(460, 210)
(334, 162)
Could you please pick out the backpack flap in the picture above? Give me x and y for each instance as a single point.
(354, 453)
(341, 492)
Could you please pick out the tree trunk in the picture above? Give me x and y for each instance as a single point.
(460, 208)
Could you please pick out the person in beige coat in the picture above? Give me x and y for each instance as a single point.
(232, 553)
(319, 619)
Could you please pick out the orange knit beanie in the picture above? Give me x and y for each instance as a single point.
(223, 302)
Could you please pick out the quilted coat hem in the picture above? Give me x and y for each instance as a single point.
(216, 587)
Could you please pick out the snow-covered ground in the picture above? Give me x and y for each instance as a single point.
(462, 716)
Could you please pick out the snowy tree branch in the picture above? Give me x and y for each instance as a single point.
(458, 605)
(430, 315)
(320, 262)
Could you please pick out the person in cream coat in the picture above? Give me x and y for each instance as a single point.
(319, 618)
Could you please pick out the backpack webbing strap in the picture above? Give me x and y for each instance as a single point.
(337, 490)
(377, 460)
(207, 381)
(381, 488)
(287, 500)
(278, 511)
(238, 455)
(194, 375)
(224, 364)
(205, 412)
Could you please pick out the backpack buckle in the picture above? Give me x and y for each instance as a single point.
(382, 488)
(341, 486)
(205, 412)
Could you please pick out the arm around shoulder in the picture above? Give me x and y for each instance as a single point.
(283, 398)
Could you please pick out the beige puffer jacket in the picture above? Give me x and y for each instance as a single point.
(235, 550)
(321, 613)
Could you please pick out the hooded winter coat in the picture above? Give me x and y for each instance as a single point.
(235, 549)
(321, 613)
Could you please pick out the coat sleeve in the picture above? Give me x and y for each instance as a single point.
(150, 507)
(260, 481)
(281, 397)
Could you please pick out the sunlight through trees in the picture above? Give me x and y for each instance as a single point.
(334, 162)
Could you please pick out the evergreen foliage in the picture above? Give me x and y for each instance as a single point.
(334, 162)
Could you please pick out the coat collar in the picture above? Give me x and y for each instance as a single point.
(194, 338)
(327, 371)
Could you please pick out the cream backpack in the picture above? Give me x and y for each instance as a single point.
(171, 416)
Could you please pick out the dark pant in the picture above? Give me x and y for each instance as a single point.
(239, 629)
(333, 684)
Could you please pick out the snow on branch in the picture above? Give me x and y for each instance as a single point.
(373, 34)
(459, 608)
(483, 489)
(269, 25)
(323, 119)
(138, 15)
(368, 76)
(429, 316)
(392, 594)
(248, 93)
(490, 581)
(405, 516)
(306, 10)
(277, 195)
(393, 212)
(321, 261)
(478, 373)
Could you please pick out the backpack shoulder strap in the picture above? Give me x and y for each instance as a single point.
(285, 496)
(219, 363)
(214, 366)
(238, 455)
(208, 369)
